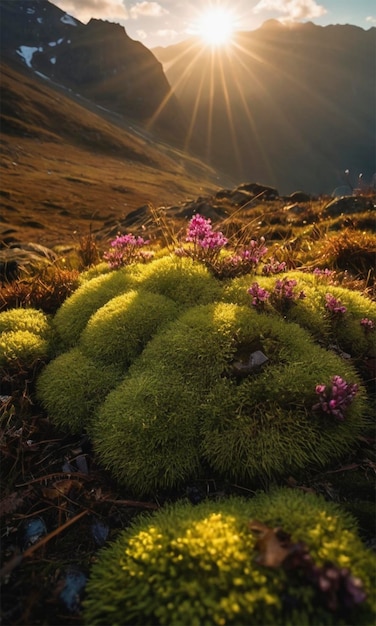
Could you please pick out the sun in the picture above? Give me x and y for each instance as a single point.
(216, 26)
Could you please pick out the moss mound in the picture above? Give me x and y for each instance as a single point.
(343, 331)
(203, 564)
(120, 329)
(192, 397)
(72, 387)
(21, 348)
(25, 336)
(75, 312)
(30, 319)
(184, 280)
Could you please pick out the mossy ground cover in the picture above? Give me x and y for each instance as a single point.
(161, 382)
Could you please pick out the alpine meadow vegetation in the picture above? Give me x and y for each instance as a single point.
(216, 358)
(282, 557)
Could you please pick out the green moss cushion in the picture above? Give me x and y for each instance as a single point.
(75, 312)
(185, 281)
(72, 387)
(193, 565)
(182, 280)
(188, 400)
(33, 320)
(22, 348)
(120, 329)
(344, 331)
(25, 335)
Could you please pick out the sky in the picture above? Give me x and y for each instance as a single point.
(165, 22)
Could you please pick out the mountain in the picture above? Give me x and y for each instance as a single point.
(290, 105)
(69, 167)
(97, 60)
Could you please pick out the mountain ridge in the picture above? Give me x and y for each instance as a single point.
(98, 60)
(68, 166)
(291, 105)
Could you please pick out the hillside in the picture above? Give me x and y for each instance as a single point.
(292, 106)
(69, 165)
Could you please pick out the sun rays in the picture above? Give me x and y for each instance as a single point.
(235, 90)
(216, 26)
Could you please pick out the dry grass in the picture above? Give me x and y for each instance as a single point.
(46, 289)
(66, 168)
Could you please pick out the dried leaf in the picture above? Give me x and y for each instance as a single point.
(60, 488)
(11, 503)
(273, 544)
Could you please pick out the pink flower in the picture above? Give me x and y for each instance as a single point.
(274, 267)
(333, 305)
(336, 399)
(326, 272)
(259, 295)
(367, 324)
(124, 250)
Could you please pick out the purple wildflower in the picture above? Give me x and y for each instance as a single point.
(334, 400)
(325, 272)
(259, 295)
(200, 233)
(274, 267)
(333, 305)
(284, 290)
(245, 259)
(125, 249)
(367, 324)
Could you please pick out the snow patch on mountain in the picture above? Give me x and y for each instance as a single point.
(27, 52)
(67, 19)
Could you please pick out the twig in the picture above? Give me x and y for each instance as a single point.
(17, 560)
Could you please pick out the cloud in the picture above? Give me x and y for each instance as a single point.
(84, 10)
(167, 33)
(371, 19)
(292, 9)
(147, 9)
(141, 34)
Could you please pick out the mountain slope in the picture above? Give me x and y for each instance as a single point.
(67, 165)
(293, 106)
(97, 60)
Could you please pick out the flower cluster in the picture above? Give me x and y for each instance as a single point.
(335, 399)
(337, 588)
(274, 267)
(333, 305)
(201, 234)
(367, 324)
(244, 261)
(282, 295)
(207, 243)
(259, 295)
(326, 273)
(124, 250)
(284, 290)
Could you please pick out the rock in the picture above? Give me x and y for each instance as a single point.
(267, 193)
(298, 196)
(348, 204)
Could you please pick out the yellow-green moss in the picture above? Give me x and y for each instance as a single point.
(197, 565)
(22, 348)
(120, 329)
(72, 387)
(30, 319)
(185, 281)
(183, 402)
(342, 331)
(75, 312)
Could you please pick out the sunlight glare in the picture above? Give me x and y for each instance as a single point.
(216, 26)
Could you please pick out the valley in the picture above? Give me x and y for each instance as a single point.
(67, 166)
